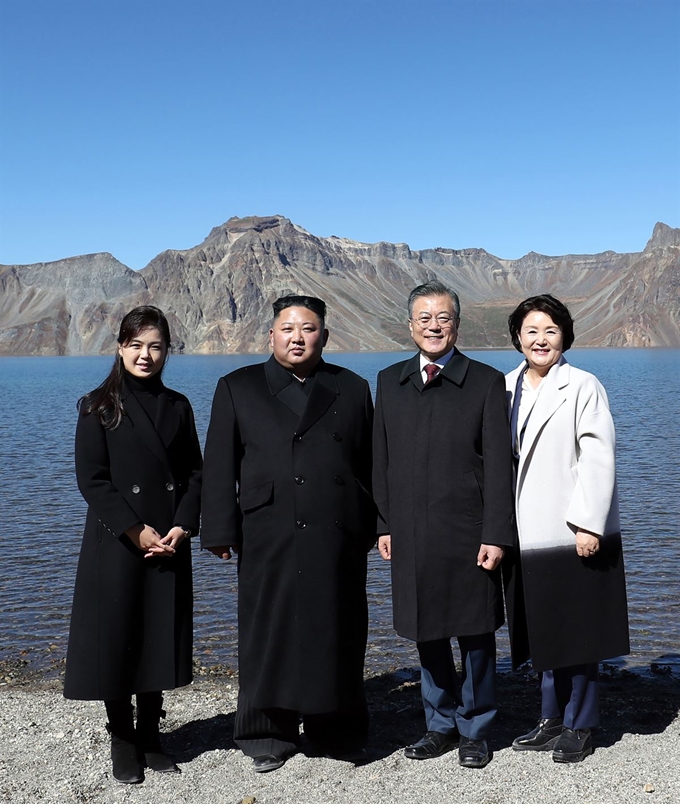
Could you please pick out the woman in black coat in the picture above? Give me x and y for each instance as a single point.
(138, 466)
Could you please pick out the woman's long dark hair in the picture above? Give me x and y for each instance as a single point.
(105, 401)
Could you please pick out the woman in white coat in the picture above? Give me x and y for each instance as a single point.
(568, 605)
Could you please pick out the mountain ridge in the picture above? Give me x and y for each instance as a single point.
(217, 295)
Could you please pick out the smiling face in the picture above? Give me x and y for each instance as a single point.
(297, 339)
(144, 355)
(434, 339)
(541, 341)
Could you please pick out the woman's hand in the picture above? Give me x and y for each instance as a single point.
(175, 537)
(146, 538)
(587, 543)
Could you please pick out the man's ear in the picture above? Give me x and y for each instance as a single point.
(326, 333)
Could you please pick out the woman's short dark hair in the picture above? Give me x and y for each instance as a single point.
(106, 400)
(549, 305)
(310, 302)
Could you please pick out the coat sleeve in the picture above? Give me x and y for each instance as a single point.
(595, 468)
(93, 474)
(220, 512)
(498, 526)
(380, 463)
(188, 511)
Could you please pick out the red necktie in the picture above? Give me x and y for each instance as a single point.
(431, 369)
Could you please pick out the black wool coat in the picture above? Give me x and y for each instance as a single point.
(442, 482)
(131, 624)
(293, 491)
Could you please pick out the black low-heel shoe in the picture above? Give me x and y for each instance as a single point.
(127, 769)
(268, 762)
(574, 745)
(542, 737)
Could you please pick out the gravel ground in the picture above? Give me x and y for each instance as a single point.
(52, 750)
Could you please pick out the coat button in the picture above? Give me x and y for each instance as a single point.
(301, 523)
(297, 438)
(299, 480)
(136, 489)
(169, 486)
(339, 480)
(337, 437)
(339, 524)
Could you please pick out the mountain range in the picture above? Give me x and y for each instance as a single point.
(217, 295)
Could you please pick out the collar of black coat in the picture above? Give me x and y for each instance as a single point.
(279, 377)
(155, 435)
(324, 392)
(454, 371)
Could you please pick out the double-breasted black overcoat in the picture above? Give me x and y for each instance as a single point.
(131, 624)
(293, 491)
(442, 482)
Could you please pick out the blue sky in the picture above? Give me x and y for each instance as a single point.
(510, 125)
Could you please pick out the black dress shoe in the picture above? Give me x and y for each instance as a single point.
(268, 762)
(541, 738)
(473, 753)
(433, 744)
(573, 745)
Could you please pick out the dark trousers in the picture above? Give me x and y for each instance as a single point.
(469, 704)
(277, 731)
(572, 694)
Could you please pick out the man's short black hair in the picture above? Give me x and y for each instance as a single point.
(310, 302)
(549, 305)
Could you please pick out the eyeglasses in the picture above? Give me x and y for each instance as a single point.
(443, 319)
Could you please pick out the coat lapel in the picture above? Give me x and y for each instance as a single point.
(552, 396)
(411, 371)
(168, 420)
(321, 396)
(144, 426)
(324, 392)
(454, 371)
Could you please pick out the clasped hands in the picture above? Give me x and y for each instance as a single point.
(148, 539)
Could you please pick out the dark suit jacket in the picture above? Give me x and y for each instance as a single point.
(131, 625)
(442, 482)
(294, 493)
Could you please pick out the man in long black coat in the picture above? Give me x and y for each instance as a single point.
(442, 482)
(287, 484)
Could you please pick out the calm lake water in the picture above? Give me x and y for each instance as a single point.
(43, 513)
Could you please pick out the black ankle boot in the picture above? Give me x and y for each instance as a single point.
(127, 768)
(149, 713)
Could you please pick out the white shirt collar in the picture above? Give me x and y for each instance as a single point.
(440, 361)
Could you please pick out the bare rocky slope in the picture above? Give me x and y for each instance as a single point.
(218, 294)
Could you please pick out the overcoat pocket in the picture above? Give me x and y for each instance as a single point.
(252, 497)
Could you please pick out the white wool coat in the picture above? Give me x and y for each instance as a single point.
(574, 609)
(566, 476)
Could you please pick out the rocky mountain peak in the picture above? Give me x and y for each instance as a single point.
(663, 236)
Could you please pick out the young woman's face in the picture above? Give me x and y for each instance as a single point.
(144, 355)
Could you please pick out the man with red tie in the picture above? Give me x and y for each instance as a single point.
(442, 481)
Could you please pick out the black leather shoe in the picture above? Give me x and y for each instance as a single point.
(541, 738)
(127, 769)
(573, 745)
(473, 753)
(268, 762)
(433, 744)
